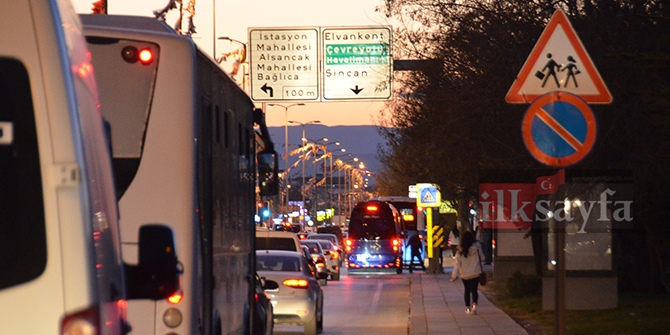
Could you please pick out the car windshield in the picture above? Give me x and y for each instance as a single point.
(326, 245)
(266, 262)
(372, 228)
(275, 243)
(313, 248)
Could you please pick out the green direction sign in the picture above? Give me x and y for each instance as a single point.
(357, 63)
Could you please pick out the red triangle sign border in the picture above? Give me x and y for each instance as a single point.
(558, 18)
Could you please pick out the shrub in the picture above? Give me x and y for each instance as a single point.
(520, 285)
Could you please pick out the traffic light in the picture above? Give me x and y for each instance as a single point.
(263, 210)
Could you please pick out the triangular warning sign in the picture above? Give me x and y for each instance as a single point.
(428, 198)
(559, 62)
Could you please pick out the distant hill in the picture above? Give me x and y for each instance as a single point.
(359, 141)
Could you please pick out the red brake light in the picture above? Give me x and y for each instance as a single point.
(86, 322)
(348, 242)
(295, 283)
(176, 298)
(146, 56)
(396, 242)
(334, 253)
(371, 208)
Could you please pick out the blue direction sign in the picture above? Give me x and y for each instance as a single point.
(559, 129)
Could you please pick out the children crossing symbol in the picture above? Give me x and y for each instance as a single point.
(555, 63)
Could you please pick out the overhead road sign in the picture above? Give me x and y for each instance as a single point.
(559, 129)
(284, 64)
(357, 63)
(559, 62)
(428, 195)
(321, 63)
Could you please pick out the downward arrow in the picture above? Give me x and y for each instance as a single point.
(356, 90)
(265, 88)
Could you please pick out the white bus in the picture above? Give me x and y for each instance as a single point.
(60, 254)
(184, 154)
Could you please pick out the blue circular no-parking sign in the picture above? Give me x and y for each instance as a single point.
(559, 129)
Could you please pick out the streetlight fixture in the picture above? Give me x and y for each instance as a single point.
(288, 179)
(240, 60)
(303, 124)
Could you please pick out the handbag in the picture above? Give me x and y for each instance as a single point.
(482, 275)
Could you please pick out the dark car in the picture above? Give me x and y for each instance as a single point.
(263, 313)
(318, 257)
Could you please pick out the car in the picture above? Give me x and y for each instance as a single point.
(263, 312)
(318, 257)
(333, 259)
(277, 240)
(288, 226)
(335, 230)
(320, 275)
(339, 242)
(297, 297)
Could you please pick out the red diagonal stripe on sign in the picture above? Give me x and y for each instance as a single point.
(562, 132)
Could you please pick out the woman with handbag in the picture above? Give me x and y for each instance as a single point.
(468, 265)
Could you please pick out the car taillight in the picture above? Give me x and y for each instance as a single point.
(396, 243)
(334, 254)
(295, 283)
(86, 322)
(371, 208)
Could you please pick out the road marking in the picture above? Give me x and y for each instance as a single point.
(375, 299)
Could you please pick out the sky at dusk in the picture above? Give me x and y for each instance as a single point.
(233, 18)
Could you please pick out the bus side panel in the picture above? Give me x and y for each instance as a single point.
(226, 166)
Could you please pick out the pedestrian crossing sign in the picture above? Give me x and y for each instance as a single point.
(428, 195)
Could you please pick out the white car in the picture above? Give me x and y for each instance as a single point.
(296, 296)
(333, 258)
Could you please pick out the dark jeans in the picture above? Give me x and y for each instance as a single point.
(411, 263)
(471, 289)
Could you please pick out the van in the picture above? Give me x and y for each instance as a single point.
(376, 238)
(62, 271)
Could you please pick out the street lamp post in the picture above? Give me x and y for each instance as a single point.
(286, 145)
(241, 60)
(315, 149)
(340, 164)
(303, 153)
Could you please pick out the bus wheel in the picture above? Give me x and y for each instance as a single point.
(398, 270)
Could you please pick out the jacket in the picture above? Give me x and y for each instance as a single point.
(468, 267)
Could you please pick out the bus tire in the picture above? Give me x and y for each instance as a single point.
(398, 270)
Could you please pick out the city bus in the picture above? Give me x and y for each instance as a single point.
(376, 240)
(185, 154)
(62, 270)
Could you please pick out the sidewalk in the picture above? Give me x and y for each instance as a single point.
(437, 307)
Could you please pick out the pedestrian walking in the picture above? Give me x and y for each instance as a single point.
(454, 239)
(416, 246)
(468, 265)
